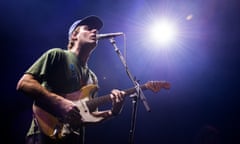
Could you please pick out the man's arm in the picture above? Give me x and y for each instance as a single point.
(57, 104)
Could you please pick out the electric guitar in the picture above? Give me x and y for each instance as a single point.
(56, 128)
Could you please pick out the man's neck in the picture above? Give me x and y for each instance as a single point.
(82, 53)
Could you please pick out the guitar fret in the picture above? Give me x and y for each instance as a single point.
(94, 103)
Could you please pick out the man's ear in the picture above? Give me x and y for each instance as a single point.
(74, 35)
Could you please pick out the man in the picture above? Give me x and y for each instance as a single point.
(58, 82)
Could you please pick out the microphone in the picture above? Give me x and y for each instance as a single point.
(108, 35)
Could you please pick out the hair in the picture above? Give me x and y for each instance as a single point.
(71, 42)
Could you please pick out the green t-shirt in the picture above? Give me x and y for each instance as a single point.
(60, 72)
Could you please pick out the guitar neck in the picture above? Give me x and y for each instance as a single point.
(94, 103)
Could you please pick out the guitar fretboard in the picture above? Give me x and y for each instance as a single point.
(94, 103)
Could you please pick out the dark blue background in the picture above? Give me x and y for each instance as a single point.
(203, 68)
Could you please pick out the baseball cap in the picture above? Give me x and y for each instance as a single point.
(92, 21)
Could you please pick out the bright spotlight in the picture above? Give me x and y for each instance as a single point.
(163, 32)
(189, 17)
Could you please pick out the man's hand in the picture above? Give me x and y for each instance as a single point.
(70, 113)
(117, 97)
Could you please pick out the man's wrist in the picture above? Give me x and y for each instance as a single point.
(114, 113)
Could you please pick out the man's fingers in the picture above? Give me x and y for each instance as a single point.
(117, 95)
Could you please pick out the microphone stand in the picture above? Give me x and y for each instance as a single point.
(138, 94)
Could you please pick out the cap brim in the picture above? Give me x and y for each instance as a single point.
(92, 21)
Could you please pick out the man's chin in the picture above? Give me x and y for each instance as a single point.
(93, 43)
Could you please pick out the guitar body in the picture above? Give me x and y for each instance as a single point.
(54, 127)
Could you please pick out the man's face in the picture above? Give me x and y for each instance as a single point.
(86, 34)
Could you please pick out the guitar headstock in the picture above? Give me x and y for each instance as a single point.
(156, 86)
